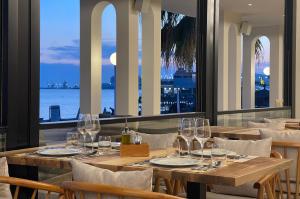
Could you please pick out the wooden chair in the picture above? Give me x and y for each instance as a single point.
(81, 188)
(290, 150)
(267, 186)
(270, 184)
(35, 186)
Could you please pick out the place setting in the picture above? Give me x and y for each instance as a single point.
(210, 156)
(192, 129)
(82, 144)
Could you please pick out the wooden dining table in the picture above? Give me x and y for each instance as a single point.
(233, 132)
(233, 174)
(293, 126)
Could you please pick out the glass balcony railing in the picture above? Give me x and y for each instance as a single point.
(241, 118)
(54, 133)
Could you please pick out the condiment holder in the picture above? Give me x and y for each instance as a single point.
(134, 150)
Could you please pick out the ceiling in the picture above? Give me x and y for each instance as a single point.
(261, 13)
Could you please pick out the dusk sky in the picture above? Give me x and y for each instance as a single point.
(60, 33)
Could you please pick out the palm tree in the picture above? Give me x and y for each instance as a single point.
(178, 40)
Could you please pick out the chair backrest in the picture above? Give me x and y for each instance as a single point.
(290, 150)
(35, 186)
(268, 185)
(81, 189)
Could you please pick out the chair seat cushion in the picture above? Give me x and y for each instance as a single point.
(271, 125)
(158, 141)
(247, 147)
(211, 195)
(292, 153)
(130, 179)
(4, 188)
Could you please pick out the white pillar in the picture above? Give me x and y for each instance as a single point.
(90, 56)
(151, 62)
(127, 59)
(297, 61)
(248, 80)
(229, 68)
(223, 65)
(234, 68)
(276, 67)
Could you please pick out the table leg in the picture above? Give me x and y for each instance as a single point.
(196, 190)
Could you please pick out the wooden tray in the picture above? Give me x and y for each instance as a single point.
(134, 150)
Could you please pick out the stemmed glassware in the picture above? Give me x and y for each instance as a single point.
(187, 131)
(202, 132)
(81, 128)
(92, 126)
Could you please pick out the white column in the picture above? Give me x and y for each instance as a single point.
(223, 65)
(234, 68)
(276, 68)
(90, 56)
(248, 80)
(151, 62)
(297, 60)
(127, 59)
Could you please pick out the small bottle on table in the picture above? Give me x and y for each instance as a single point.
(125, 138)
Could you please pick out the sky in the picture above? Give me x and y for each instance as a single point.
(60, 46)
(266, 57)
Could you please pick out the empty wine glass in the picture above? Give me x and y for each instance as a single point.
(202, 132)
(187, 132)
(93, 128)
(81, 128)
(218, 155)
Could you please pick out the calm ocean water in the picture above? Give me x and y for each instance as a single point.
(68, 99)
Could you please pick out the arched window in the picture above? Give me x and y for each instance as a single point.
(109, 63)
(262, 72)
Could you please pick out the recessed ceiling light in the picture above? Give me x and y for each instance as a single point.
(249, 4)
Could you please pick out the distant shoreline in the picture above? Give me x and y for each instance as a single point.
(71, 88)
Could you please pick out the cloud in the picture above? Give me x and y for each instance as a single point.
(70, 54)
(66, 54)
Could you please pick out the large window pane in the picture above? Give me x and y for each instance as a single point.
(60, 61)
(59, 72)
(178, 73)
(251, 52)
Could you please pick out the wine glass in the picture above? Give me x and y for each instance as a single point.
(93, 127)
(187, 132)
(202, 132)
(72, 139)
(104, 145)
(81, 128)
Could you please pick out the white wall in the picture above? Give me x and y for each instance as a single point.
(275, 36)
(229, 64)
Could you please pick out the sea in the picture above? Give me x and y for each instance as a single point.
(69, 100)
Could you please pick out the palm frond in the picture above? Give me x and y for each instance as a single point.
(259, 51)
(178, 40)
